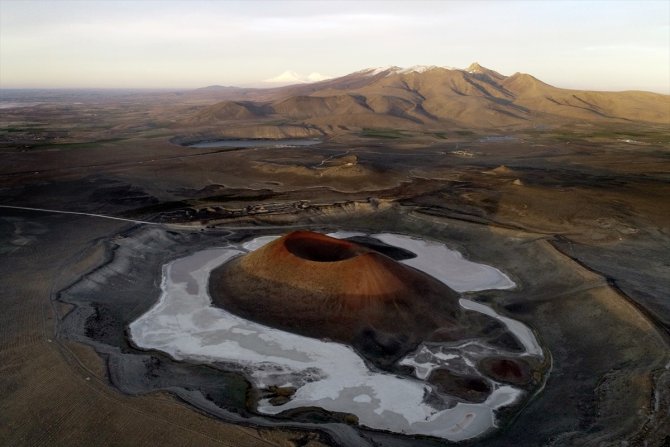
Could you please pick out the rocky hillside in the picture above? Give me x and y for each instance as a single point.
(427, 98)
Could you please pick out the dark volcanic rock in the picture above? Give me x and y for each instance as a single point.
(470, 388)
(515, 371)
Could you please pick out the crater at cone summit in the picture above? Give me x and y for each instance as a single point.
(315, 285)
(342, 274)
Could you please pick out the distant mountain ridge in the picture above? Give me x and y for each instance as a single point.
(429, 98)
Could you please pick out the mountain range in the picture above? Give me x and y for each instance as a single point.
(419, 98)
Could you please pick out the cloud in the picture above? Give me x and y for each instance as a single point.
(241, 42)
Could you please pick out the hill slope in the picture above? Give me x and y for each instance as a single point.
(431, 98)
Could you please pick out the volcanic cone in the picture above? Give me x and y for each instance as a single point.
(315, 285)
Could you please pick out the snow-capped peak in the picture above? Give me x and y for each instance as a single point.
(373, 71)
(316, 77)
(392, 69)
(418, 69)
(291, 77)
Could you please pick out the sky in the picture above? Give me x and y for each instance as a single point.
(594, 45)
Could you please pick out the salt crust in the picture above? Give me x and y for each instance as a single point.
(325, 374)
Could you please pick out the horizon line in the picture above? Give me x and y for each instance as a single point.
(270, 87)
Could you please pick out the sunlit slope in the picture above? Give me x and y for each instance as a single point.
(432, 98)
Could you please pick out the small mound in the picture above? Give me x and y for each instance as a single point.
(470, 388)
(508, 370)
(501, 170)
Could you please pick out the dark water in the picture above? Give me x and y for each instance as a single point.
(257, 143)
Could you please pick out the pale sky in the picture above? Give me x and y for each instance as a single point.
(596, 45)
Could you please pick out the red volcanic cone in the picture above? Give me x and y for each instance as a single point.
(342, 273)
(319, 286)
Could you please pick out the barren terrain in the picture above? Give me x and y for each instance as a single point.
(97, 193)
